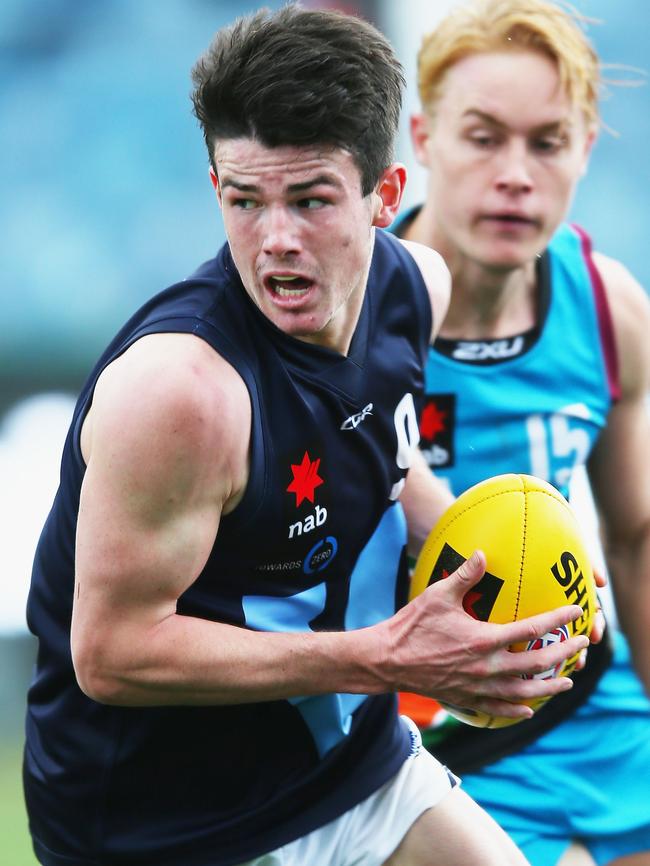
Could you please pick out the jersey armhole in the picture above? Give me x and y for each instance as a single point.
(421, 297)
(603, 313)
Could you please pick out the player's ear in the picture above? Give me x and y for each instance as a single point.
(387, 195)
(420, 135)
(592, 134)
(215, 183)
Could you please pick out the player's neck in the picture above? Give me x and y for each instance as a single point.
(486, 302)
(485, 305)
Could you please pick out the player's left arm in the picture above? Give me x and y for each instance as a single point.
(619, 466)
(437, 279)
(425, 497)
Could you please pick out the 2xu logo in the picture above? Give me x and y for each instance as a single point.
(569, 575)
(489, 350)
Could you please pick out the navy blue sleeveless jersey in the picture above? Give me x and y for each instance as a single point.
(318, 542)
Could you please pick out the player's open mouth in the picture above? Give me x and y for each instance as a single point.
(510, 219)
(288, 286)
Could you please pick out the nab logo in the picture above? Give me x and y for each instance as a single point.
(305, 479)
(437, 424)
(353, 421)
(436, 456)
(480, 600)
(310, 522)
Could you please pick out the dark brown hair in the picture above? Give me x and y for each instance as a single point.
(302, 77)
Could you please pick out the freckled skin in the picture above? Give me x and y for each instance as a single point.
(322, 233)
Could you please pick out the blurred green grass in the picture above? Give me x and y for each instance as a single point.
(15, 843)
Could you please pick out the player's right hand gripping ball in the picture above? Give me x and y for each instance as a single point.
(536, 561)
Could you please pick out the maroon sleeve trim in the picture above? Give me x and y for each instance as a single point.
(605, 325)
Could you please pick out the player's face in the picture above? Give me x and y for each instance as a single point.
(300, 233)
(505, 149)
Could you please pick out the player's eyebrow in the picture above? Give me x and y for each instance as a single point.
(319, 180)
(484, 116)
(242, 187)
(560, 125)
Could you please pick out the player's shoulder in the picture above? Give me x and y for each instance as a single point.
(175, 366)
(176, 385)
(629, 307)
(430, 262)
(435, 274)
(628, 301)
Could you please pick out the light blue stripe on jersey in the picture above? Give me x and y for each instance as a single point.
(563, 375)
(329, 717)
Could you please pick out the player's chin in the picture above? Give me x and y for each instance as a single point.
(303, 325)
(510, 256)
(507, 253)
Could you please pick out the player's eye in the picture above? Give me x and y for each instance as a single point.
(483, 139)
(549, 143)
(311, 203)
(245, 203)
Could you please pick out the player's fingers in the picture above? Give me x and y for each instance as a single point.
(505, 695)
(541, 662)
(519, 690)
(599, 578)
(533, 627)
(509, 709)
(582, 660)
(491, 707)
(598, 628)
(466, 575)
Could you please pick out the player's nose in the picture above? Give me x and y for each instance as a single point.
(281, 235)
(514, 172)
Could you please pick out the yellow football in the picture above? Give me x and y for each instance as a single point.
(536, 561)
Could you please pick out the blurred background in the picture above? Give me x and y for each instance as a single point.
(106, 200)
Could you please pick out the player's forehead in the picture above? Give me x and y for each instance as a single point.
(519, 88)
(248, 162)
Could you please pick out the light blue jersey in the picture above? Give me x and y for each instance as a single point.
(532, 403)
(525, 414)
(536, 403)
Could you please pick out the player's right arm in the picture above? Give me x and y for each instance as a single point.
(618, 468)
(166, 444)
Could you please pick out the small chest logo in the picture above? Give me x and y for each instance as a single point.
(305, 479)
(489, 351)
(437, 423)
(353, 421)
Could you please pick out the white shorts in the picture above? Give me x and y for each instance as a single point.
(370, 832)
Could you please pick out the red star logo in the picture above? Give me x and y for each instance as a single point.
(432, 421)
(305, 479)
